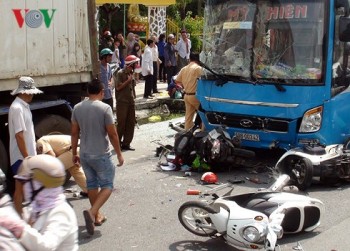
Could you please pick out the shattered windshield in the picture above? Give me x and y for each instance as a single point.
(265, 40)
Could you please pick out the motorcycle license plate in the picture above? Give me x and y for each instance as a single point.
(247, 136)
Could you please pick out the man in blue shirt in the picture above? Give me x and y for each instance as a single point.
(161, 45)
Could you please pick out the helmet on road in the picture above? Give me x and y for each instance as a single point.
(131, 59)
(106, 51)
(46, 169)
(209, 178)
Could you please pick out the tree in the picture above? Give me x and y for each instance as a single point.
(107, 11)
(181, 6)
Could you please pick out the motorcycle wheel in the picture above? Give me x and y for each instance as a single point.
(194, 213)
(300, 171)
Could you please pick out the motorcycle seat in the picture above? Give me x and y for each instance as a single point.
(262, 206)
(256, 201)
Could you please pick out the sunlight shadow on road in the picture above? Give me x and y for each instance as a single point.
(85, 238)
(209, 245)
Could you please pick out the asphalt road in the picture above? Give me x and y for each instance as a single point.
(142, 211)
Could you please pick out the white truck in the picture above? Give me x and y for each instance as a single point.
(54, 42)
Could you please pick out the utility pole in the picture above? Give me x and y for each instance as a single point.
(91, 5)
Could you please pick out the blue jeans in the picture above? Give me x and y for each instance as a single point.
(99, 170)
(16, 166)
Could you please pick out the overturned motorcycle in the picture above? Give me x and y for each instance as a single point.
(328, 163)
(254, 220)
(215, 147)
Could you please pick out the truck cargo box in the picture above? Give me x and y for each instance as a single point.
(47, 39)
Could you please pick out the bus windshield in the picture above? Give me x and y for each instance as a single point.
(266, 40)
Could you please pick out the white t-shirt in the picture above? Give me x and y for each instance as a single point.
(147, 62)
(115, 57)
(155, 53)
(20, 119)
(182, 49)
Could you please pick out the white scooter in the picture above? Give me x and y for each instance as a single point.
(252, 221)
(328, 163)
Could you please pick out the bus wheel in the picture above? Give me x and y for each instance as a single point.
(300, 171)
(52, 124)
(4, 162)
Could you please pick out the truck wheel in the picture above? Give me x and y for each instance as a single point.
(52, 124)
(4, 162)
(300, 171)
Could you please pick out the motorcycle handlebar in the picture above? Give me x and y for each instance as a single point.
(211, 191)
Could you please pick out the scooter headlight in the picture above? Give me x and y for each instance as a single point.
(312, 120)
(252, 234)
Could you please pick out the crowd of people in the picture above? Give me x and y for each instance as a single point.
(39, 168)
(159, 59)
(168, 56)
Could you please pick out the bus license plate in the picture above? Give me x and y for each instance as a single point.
(247, 136)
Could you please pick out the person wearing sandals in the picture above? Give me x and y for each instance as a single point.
(93, 123)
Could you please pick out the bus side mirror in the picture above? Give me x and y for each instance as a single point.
(344, 29)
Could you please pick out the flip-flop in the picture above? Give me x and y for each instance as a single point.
(89, 223)
(99, 223)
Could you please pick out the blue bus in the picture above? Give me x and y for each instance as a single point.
(276, 72)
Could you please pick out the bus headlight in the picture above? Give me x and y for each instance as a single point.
(312, 120)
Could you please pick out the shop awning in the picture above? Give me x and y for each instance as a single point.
(144, 2)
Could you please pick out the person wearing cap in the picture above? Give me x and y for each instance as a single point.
(170, 58)
(125, 97)
(60, 146)
(106, 75)
(147, 69)
(188, 77)
(50, 222)
(93, 122)
(183, 48)
(22, 136)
